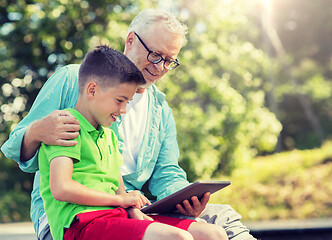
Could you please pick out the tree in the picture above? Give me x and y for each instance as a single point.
(300, 89)
(215, 95)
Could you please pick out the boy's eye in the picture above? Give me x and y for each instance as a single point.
(120, 101)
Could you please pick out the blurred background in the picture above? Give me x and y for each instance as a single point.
(251, 99)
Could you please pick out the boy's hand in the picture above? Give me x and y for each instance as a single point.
(57, 128)
(196, 208)
(133, 199)
(135, 213)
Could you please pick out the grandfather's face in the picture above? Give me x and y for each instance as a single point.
(159, 40)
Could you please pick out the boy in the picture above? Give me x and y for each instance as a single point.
(81, 186)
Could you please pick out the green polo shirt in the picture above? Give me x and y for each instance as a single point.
(97, 162)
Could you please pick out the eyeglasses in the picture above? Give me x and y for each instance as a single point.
(155, 58)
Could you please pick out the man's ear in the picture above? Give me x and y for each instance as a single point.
(130, 40)
(91, 89)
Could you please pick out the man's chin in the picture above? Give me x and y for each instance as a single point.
(140, 90)
(148, 84)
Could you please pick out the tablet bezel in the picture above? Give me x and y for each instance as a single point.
(168, 204)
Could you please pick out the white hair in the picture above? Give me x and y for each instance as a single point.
(148, 17)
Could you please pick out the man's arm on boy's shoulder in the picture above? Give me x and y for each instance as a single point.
(64, 188)
(59, 92)
(57, 128)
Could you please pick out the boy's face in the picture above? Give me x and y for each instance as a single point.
(108, 104)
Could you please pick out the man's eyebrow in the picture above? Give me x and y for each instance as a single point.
(161, 53)
(124, 97)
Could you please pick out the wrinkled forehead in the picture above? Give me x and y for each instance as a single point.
(160, 39)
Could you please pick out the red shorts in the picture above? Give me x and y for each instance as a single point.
(115, 224)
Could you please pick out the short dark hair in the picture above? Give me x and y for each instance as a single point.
(108, 68)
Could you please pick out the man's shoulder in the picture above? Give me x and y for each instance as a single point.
(72, 67)
(64, 76)
(70, 70)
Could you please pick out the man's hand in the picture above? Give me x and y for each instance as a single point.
(57, 128)
(196, 208)
(135, 213)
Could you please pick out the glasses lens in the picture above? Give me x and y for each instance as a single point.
(154, 57)
(170, 65)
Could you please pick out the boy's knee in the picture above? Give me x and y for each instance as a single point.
(165, 232)
(177, 234)
(209, 231)
(217, 232)
(182, 235)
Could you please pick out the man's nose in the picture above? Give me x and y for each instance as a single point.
(160, 66)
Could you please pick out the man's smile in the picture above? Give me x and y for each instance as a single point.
(150, 72)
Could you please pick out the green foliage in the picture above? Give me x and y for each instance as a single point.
(317, 90)
(38, 37)
(288, 185)
(15, 188)
(219, 110)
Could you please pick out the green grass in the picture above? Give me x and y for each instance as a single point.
(288, 185)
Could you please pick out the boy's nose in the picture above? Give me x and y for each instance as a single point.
(123, 110)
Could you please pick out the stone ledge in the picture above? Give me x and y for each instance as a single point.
(17, 228)
(304, 224)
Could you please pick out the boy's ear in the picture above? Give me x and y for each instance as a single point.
(90, 89)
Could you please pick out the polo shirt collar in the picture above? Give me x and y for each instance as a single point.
(85, 124)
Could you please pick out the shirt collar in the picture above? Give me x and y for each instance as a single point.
(85, 124)
(156, 92)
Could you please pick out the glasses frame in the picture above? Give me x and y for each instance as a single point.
(176, 61)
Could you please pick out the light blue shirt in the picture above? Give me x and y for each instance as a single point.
(157, 161)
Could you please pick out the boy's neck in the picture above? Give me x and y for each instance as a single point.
(83, 109)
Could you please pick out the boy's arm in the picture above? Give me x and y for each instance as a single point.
(65, 189)
(122, 188)
(133, 212)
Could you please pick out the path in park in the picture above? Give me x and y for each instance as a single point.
(17, 231)
(313, 229)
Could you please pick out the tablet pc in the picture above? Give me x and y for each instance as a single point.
(168, 204)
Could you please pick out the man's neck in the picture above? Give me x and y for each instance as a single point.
(140, 90)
